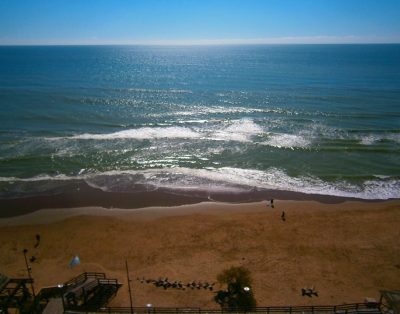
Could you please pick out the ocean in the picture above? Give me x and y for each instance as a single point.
(315, 119)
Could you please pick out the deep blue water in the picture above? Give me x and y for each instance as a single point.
(311, 118)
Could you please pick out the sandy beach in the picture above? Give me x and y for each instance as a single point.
(347, 251)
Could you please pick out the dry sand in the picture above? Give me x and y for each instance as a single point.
(347, 251)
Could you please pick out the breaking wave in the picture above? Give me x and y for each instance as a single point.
(225, 178)
(287, 141)
(372, 139)
(237, 130)
(141, 134)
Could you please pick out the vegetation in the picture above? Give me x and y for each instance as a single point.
(238, 294)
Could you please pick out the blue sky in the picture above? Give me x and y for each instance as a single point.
(198, 21)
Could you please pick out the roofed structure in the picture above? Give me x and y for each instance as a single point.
(87, 292)
(14, 293)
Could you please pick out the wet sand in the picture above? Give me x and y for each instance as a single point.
(80, 194)
(347, 251)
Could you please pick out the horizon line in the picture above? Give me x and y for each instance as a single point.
(188, 45)
(351, 39)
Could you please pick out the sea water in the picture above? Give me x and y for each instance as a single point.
(321, 119)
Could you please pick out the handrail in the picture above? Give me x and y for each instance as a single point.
(83, 277)
(346, 308)
(108, 281)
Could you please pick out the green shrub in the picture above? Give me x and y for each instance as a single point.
(238, 294)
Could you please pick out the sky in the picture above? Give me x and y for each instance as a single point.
(36, 22)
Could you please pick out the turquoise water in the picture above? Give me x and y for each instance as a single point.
(319, 119)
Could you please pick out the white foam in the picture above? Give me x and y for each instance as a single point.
(273, 178)
(287, 141)
(9, 179)
(193, 121)
(227, 178)
(140, 134)
(371, 139)
(381, 176)
(277, 179)
(384, 189)
(238, 130)
(42, 177)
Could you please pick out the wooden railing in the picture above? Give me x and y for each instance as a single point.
(338, 309)
(83, 277)
(86, 292)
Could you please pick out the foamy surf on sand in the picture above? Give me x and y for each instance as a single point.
(187, 180)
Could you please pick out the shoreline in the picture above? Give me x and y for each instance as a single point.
(80, 194)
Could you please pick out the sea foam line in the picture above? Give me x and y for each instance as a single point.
(227, 178)
(287, 141)
(237, 130)
(140, 133)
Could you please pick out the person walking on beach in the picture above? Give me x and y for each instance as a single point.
(37, 240)
(283, 216)
(271, 203)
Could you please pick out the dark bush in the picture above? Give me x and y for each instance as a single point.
(238, 294)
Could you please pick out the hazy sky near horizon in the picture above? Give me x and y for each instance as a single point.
(198, 21)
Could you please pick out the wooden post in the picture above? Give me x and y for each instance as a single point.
(129, 285)
(29, 273)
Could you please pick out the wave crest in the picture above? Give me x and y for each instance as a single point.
(226, 178)
(287, 141)
(140, 134)
(237, 130)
